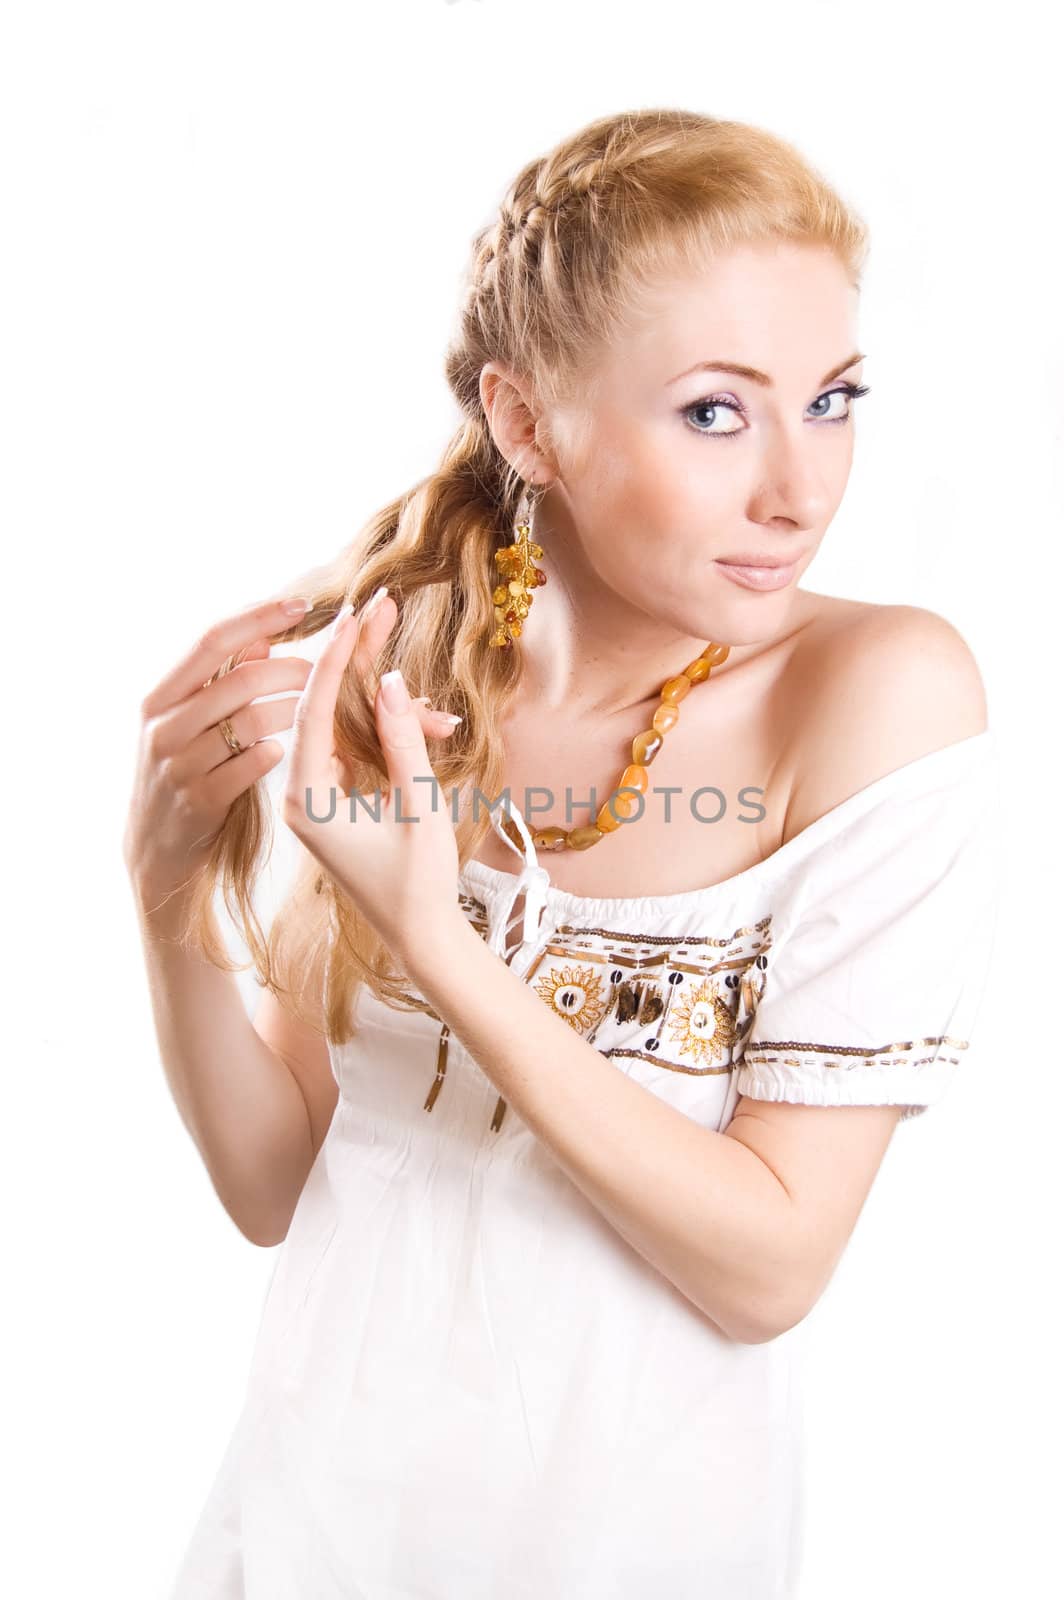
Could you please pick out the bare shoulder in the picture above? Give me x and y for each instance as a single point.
(880, 686)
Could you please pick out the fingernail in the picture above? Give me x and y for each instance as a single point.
(295, 607)
(393, 692)
(374, 600)
(340, 618)
(449, 716)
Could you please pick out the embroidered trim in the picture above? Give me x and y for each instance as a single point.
(852, 1049)
(769, 1055)
(707, 1023)
(441, 1067)
(418, 1004)
(476, 913)
(646, 940)
(671, 1066)
(709, 1014)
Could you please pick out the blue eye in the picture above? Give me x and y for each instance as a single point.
(718, 404)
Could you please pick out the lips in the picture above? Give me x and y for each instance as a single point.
(759, 561)
(765, 578)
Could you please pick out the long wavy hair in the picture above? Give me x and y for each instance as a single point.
(579, 232)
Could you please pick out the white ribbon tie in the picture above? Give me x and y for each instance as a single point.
(533, 879)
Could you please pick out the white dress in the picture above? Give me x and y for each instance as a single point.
(467, 1385)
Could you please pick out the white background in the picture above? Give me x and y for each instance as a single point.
(234, 236)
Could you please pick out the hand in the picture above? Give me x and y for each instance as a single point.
(395, 856)
(187, 777)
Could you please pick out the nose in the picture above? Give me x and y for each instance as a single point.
(793, 487)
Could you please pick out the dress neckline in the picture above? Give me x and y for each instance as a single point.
(477, 877)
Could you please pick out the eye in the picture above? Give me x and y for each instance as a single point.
(848, 391)
(718, 405)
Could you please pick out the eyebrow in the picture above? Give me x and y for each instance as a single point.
(754, 374)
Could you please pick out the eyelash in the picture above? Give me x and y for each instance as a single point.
(718, 402)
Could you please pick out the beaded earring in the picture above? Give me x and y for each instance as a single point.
(518, 576)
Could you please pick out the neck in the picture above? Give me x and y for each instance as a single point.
(590, 653)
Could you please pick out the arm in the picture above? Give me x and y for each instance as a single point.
(728, 1227)
(256, 1100)
(239, 1100)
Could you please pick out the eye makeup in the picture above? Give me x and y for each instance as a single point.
(720, 402)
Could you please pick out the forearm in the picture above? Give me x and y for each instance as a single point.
(242, 1106)
(702, 1208)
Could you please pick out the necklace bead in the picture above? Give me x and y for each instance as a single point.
(623, 802)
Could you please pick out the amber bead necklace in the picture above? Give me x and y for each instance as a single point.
(512, 600)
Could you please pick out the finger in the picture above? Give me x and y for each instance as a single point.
(373, 625)
(228, 781)
(221, 640)
(259, 651)
(249, 724)
(437, 723)
(316, 712)
(403, 743)
(351, 645)
(229, 694)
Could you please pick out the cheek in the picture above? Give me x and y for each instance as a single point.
(624, 503)
(677, 483)
(654, 484)
(649, 470)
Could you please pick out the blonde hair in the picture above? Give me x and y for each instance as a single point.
(580, 231)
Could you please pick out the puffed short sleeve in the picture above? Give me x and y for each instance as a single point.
(881, 941)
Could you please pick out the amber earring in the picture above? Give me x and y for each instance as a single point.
(518, 575)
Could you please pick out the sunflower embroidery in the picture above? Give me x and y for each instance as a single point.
(703, 1024)
(575, 994)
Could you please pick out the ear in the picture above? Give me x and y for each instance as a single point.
(518, 429)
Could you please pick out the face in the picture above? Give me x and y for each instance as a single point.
(677, 468)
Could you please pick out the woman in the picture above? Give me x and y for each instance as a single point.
(562, 1160)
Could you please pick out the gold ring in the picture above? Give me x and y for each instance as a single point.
(225, 728)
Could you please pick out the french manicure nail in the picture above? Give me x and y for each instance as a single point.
(374, 600)
(340, 618)
(393, 692)
(449, 716)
